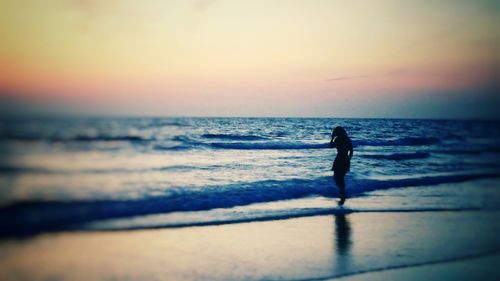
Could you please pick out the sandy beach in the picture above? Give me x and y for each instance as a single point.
(359, 246)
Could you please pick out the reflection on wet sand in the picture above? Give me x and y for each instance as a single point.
(343, 242)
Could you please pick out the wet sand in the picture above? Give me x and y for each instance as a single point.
(483, 268)
(356, 247)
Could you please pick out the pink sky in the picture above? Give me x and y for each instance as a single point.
(253, 58)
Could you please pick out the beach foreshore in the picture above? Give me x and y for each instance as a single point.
(357, 246)
(478, 268)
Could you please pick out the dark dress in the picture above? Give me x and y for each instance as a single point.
(342, 163)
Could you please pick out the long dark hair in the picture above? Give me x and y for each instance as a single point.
(340, 132)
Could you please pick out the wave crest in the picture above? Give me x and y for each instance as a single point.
(78, 138)
(399, 156)
(269, 145)
(232, 137)
(407, 141)
(18, 219)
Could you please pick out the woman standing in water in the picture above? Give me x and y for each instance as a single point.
(342, 162)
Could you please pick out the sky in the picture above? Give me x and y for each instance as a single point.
(298, 58)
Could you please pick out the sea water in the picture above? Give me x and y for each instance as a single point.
(102, 173)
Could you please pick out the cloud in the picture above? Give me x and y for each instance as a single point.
(341, 78)
(393, 72)
(202, 5)
(88, 7)
(91, 11)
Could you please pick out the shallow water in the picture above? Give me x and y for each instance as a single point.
(316, 248)
(59, 173)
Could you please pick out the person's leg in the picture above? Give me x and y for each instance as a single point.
(339, 180)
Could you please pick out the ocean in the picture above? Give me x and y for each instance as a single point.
(81, 173)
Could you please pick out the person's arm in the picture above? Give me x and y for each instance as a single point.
(332, 142)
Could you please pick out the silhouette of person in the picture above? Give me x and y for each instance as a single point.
(342, 162)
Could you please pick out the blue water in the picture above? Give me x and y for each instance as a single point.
(60, 173)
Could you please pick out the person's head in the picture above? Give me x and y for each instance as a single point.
(339, 132)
